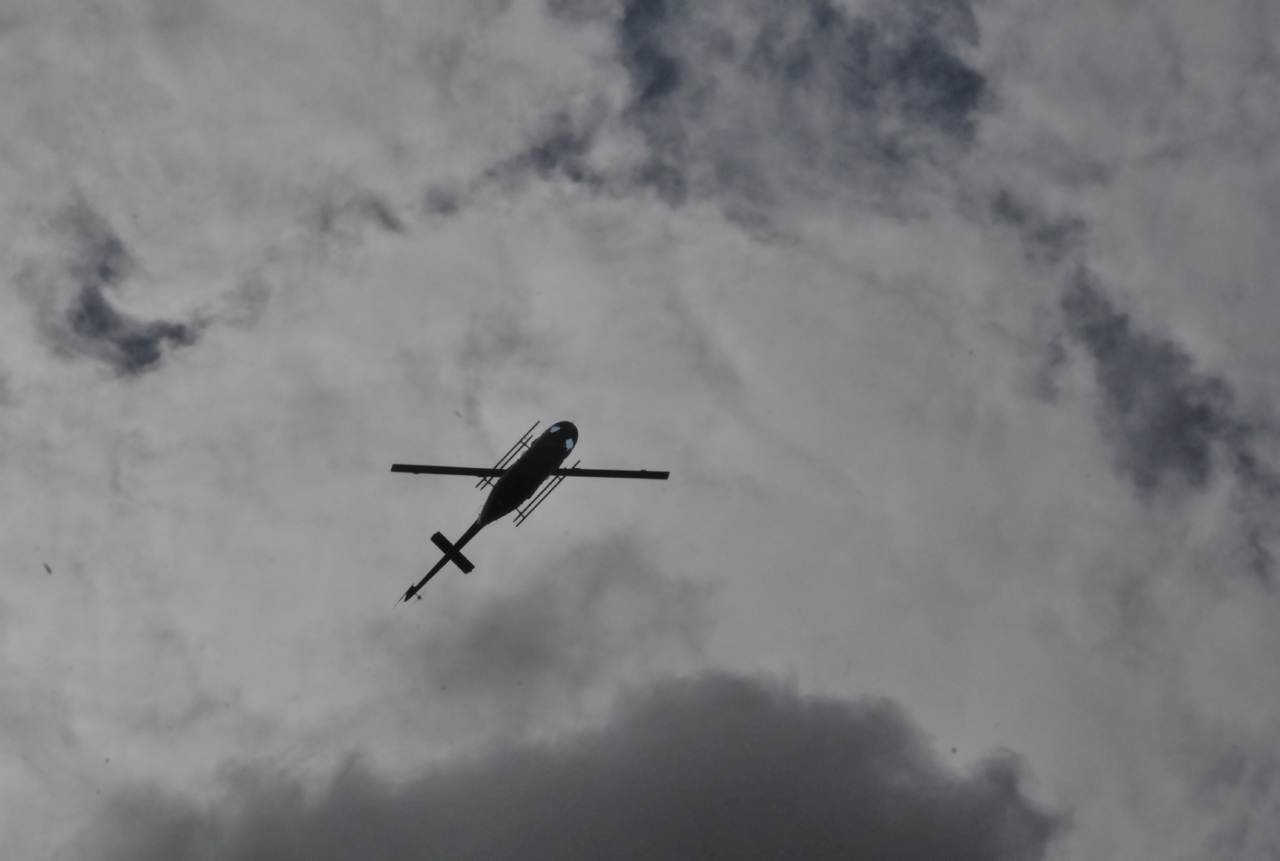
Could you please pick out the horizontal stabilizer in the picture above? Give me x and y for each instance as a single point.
(447, 470)
(452, 553)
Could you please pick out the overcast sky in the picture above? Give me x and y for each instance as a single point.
(954, 323)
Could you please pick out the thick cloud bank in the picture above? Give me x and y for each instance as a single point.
(716, 767)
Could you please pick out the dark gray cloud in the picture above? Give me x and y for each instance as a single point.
(748, 102)
(1172, 426)
(714, 767)
(561, 149)
(1167, 420)
(739, 99)
(89, 324)
(1046, 240)
(129, 346)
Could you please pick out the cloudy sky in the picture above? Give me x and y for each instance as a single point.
(954, 323)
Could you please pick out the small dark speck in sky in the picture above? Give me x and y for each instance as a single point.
(47, 569)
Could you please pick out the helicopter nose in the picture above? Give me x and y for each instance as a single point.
(565, 429)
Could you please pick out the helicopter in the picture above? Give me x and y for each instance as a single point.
(521, 480)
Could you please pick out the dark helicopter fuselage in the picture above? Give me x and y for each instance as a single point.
(523, 478)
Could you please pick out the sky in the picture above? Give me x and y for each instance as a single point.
(953, 322)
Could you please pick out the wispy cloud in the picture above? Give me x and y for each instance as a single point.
(1173, 427)
(89, 324)
(1164, 418)
(748, 103)
(1046, 240)
(735, 100)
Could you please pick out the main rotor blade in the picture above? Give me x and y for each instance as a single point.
(612, 473)
(495, 473)
(446, 470)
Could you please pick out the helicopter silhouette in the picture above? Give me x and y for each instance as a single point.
(521, 480)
